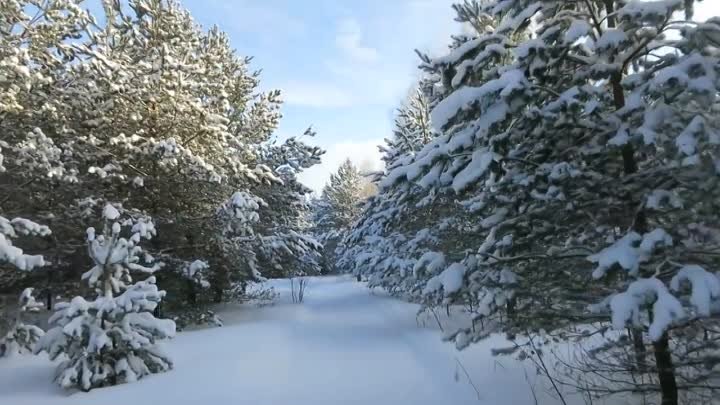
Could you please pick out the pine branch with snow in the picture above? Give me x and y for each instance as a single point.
(10, 229)
(22, 337)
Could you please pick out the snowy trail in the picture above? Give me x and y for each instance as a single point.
(342, 346)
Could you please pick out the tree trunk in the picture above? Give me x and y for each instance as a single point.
(666, 371)
(510, 307)
(217, 294)
(663, 360)
(48, 298)
(157, 312)
(191, 292)
(639, 348)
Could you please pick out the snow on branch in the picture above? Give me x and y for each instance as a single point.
(626, 306)
(116, 254)
(629, 252)
(10, 229)
(450, 280)
(464, 98)
(704, 286)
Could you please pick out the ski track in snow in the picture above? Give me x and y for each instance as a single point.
(344, 345)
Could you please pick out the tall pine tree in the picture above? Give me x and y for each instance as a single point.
(141, 105)
(580, 141)
(337, 209)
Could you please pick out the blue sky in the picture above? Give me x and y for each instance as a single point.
(343, 65)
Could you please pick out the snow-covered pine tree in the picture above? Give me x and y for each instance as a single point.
(336, 210)
(141, 103)
(22, 337)
(325, 233)
(412, 129)
(342, 193)
(111, 339)
(568, 128)
(661, 77)
(374, 246)
(269, 229)
(409, 223)
(287, 247)
(28, 71)
(196, 272)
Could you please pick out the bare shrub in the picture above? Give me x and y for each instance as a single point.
(297, 289)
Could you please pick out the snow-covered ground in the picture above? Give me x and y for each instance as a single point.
(344, 345)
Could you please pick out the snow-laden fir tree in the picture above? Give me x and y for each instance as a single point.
(577, 133)
(22, 337)
(111, 339)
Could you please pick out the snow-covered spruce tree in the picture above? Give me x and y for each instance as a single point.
(22, 337)
(569, 127)
(111, 340)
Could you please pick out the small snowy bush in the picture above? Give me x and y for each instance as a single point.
(111, 340)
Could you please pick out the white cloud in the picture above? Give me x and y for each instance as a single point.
(383, 85)
(318, 94)
(349, 40)
(387, 83)
(254, 17)
(364, 155)
(356, 78)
